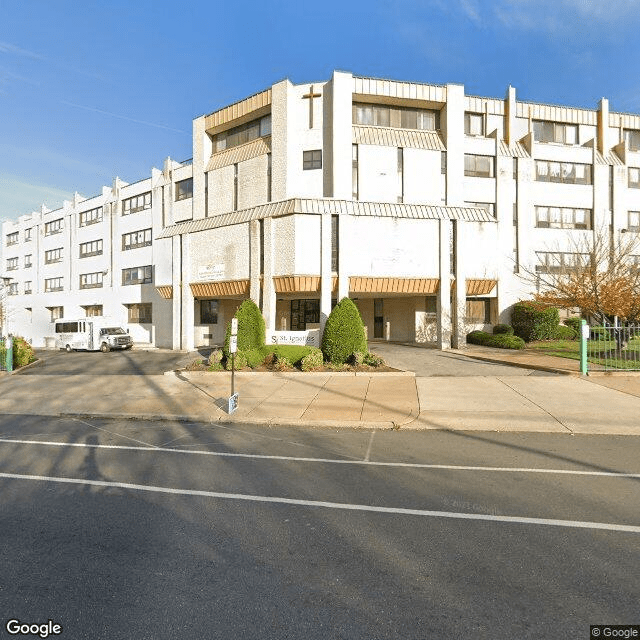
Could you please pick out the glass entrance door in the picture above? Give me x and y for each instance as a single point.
(378, 318)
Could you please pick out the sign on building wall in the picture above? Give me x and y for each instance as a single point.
(211, 272)
(309, 338)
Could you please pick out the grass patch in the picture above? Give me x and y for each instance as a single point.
(602, 352)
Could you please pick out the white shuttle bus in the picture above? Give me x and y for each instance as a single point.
(91, 334)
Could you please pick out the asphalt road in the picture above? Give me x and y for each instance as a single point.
(167, 530)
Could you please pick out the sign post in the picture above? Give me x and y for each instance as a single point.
(233, 347)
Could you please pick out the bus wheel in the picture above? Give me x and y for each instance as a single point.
(104, 347)
(68, 348)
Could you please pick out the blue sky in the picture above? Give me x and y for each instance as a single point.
(90, 90)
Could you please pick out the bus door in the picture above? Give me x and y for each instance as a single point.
(90, 336)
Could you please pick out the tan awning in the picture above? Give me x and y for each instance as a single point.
(227, 288)
(478, 286)
(301, 284)
(165, 291)
(410, 286)
(390, 137)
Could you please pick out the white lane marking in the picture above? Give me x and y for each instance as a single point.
(113, 433)
(366, 456)
(575, 524)
(257, 456)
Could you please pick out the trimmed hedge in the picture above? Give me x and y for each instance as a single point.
(251, 328)
(313, 360)
(343, 333)
(532, 322)
(562, 332)
(501, 340)
(500, 329)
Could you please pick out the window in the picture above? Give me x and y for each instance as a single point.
(312, 159)
(139, 313)
(27, 235)
(91, 280)
(12, 238)
(478, 310)
(558, 262)
(137, 275)
(55, 226)
(563, 172)
(12, 289)
(557, 132)
(53, 284)
(400, 169)
(68, 327)
(335, 239)
(634, 221)
(56, 313)
(489, 207)
(243, 133)
(184, 189)
(303, 312)
(53, 255)
(632, 138)
(137, 203)
(431, 306)
(563, 218)
(234, 204)
(12, 264)
(90, 217)
(378, 115)
(28, 287)
(136, 239)
(208, 312)
(268, 177)
(354, 171)
(479, 166)
(474, 124)
(93, 248)
(634, 177)
(27, 261)
(92, 310)
(443, 163)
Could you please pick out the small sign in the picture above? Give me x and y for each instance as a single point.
(309, 338)
(233, 403)
(233, 344)
(585, 331)
(211, 272)
(234, 326)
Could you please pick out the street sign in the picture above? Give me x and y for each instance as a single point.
(233, 344)
(585, 331)
(234, 326)
(233, 403)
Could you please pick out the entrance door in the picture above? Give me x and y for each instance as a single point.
(303, 312)
(378, 318)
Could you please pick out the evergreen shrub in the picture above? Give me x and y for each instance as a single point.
(343, 333)
(563, 332)
(373, 360)
(251, 328)
(313, 360)
(501, 340)
(239, 363)
(503, 329)
(531, 321)
(22, 353)
(574, 323)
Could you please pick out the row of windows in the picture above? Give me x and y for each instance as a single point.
(136, 203)
(564, 218)
(563, 172)
(140, 313)
(242, 133)
(396, 117)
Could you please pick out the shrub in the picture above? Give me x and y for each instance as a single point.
(501, 340)
(22, 353)
(313, 360)
(562, 332)
(500, 329)
(356, 358)
(373, 360)
(216, 366)
(531, 321)
(215, 357)
(343, 332)
(574, 323)
(240, 361)
(255, 357)
(283, 364)
(251, 328)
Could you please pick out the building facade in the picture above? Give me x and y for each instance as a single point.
(422, 204)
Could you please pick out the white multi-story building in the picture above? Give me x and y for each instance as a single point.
(422, 204)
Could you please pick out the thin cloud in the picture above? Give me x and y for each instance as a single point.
(18, 197)
(116, 115)
(7, 47)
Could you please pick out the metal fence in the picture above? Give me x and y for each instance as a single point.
(615, 347)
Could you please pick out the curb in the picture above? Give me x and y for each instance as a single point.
(292, 374)
(519, 365)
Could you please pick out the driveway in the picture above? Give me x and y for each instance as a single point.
(117, 363)
(428, 362)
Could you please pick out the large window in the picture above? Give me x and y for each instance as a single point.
(12, 289)
(560, 262)
(137, 203)
(137, 275)
(312, 159)
(139, 313)
(27, 234)
(28, 287)
(92, 310)
(557, 132)
(473, 124)
(397, 117)
(335, 240)
(28, 260)
(55, 226)
(563, 218)
(479, 166)
(136, 239)
(91, 280)
(633, 221)
(12, 238)
(243, 133)
(478, 310)
(184, 189)
(90, 217)
(208, 312)
(634, 177)
(93, 248)
(12, 264)
(56, 313)
(563, 172)
(304, 312)
(489, 207)
(53, 255)
(53, 284)
(632, 138)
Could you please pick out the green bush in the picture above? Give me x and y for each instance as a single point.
(356, 358)
(22, 353)
(343, 333)
(373, 360)
(283, 364)
(240, 361)
(574, 323)
(216, 366)
(313, 360)
(500, 329)
(215, 357)
(530, 321)
(562, 332)
(501, 340)
(251, 328)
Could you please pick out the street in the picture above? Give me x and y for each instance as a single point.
(136, 529)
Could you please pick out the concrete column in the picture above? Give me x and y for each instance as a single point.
(337, 136)
(510, 116)
(176, 282)
(453, 121)
(325, 269)
(254, 261)
(187, 298)
(604, 143)
(202, 150)
(444, 291)
(268, 290)
(458, 338)
(280, 95)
